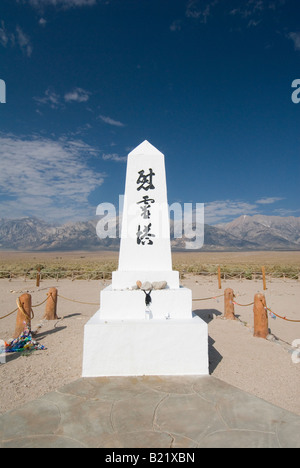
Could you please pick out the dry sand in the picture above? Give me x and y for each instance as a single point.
(263, 368)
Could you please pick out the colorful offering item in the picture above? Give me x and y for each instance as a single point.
(23, 343)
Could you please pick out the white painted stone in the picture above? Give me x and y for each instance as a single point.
(155, 347)
(146, 177)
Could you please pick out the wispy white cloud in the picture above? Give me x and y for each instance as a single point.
(16, 38)
(295, 37)
(253, 23)
(252, 10)
(221, 211)
(24, 41)
(50, 98)
(42, 22)
(56, 101)
(114, 157)
(249, 10)
(59, 3)
(49, 179)
(110, 121)
(176, 25)
(286, 212)
(77, 95)
(200, 10)
(5, 37)
(268, 200)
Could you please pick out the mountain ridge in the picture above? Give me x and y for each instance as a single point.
(248, 233)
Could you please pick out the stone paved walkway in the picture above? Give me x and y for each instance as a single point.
(149, 412)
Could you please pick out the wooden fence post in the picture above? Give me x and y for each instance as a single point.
(219, 278)
(261, 323)
(51, 305)
(23, 315)
(229, 304)
(38, 278)
(263, 269)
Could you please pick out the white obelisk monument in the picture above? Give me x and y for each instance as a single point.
(129, 336)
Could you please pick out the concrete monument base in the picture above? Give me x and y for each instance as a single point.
(145, 347)
(125, 338)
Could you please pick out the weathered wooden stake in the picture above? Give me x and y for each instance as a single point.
(219, 277)
(229, 304)
(51, 305)
(261, 323)
(38, 278)
(23, 315)
(263, 269)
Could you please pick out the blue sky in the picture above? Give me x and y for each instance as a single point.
(209, 83)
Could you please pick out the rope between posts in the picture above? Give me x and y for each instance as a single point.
(13, 312)
(38, 305)
(208, 298)
(283, 318)
(243, 305)
(92, 303)
(22, 309)
(194, 300)
(78, 302)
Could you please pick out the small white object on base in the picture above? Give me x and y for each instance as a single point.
(126, 279)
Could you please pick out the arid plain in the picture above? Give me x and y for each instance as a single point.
(269, 369)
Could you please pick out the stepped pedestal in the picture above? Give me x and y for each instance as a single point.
(126, 337)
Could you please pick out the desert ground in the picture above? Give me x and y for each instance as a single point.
(108, 260)
(265, 368)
